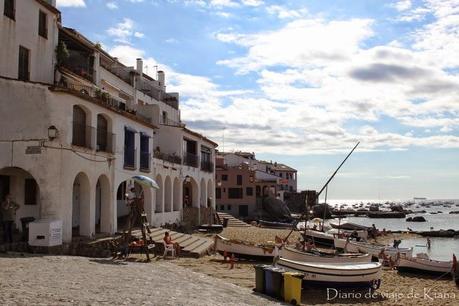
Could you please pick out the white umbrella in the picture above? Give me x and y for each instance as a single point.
(145, 181)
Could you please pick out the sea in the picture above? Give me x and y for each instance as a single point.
(441, 248)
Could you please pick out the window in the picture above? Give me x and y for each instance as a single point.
(102, 134)
(145, 152)
(249, 191)
(224, 177)
(258, 190)
(222, 207)
(121, 191)
(239, 179)
(235, 193)
(79, 136)
(218, 193)
(30, 192)
(229, 207)
(23, 68)
(129, 150)
(10, 9)
(280, 174)
(164, 114)
(43, 25)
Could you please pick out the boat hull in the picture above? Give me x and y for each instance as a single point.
(319, 238)
(373, 249)
(242, 250)
(269, 224)
(427, 266)
(345, 275)
(297, 255)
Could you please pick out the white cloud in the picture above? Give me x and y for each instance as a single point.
(252, 2)
(402, 5)
(123, 31)
(112, 5)
(71, 3)
(285, 13)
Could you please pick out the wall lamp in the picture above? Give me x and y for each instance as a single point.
(52, 132)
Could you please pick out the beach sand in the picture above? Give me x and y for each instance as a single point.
(396, 288)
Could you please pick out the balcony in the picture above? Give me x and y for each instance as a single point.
(82, 135)
(145, 161)
(105, 141)
(170, 122)
(190, 159)
(130, 158)
(207, 166)
(172, 158)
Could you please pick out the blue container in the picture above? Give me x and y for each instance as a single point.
(269, 290)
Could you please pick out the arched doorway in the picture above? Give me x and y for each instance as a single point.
(210, 194)
(24, 190)
(203, 193)
(159, 207)
(190, 192)
(176, 195)
(81, 212)
(103, 205)
(167, 194)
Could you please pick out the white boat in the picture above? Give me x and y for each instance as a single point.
(244, 249)
(357, 274)
(316, 256)
(374, 249)
(422, 263)
(363, 234)
(319, 238)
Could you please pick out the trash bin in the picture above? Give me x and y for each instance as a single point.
(225, 222)
(274, 281)
(25, 227)
(260, 278)
(292, 287)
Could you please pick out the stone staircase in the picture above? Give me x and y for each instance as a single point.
(191, 246)
(232, 221)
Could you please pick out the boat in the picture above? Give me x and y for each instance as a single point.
(349, 226)
(371, 248)
(342, 275)
(271, 224)
(345, 233)
(291, 253)
(319, 238)
(422, 263)
(244, 249)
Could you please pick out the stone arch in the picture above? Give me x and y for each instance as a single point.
(203, 190)
(24, 189)
(103, 205)
(81, 205)
(159, 207)
(210, 194)
(167, 194)
(190, 192)
(176, 196)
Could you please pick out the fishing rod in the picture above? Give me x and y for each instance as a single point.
(321, 190)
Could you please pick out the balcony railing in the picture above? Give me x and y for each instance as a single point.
(207, 166)
(170, 122)
(105, 141)
(80, 69)
(145, 161)
(172, 158)
(130, 158)
(190, 159)
(82, 135)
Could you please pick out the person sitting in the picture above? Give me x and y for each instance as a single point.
(168, 241)
(397, 243)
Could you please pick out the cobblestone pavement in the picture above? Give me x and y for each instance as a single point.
(66, 280)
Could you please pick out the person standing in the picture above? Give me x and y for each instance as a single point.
(9, 208)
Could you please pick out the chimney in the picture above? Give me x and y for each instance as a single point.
(140, 66)
(161, 78)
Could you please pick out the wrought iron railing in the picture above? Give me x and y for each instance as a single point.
(172, 158)
(82, 135)
(105, 141)
(190, 159)
(207, 166)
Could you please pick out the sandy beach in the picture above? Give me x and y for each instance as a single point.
(396, 288)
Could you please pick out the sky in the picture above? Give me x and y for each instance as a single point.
(301, 82)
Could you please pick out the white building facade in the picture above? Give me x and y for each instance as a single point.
(76, 125)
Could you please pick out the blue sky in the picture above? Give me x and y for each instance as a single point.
(301, 82)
